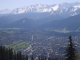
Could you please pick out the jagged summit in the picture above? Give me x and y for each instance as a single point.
(62, 8)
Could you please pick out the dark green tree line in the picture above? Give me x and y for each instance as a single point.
(8, 54)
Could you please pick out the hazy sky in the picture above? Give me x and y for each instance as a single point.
(11, 4)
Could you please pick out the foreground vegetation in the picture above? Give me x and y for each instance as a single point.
(9, 54)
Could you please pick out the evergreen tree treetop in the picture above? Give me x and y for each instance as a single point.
(70, 50)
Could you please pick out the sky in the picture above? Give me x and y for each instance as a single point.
(12, 4)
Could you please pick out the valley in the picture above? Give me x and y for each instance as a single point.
(41, 29)
(38, 42)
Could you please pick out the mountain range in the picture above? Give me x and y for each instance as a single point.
(43, 16)
(70, 23)
(22, 23)
(64, 9)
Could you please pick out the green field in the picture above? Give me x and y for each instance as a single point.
(18, 45)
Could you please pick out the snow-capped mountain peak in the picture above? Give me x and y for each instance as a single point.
(77, 6)
(55, 7)
(60, 9)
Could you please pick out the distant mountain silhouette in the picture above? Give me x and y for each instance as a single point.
(4, 21)
(71, 23)
(33, 16)
(50, 22)
(49, 19)
(22, 23)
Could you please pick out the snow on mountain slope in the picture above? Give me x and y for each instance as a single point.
(4, 11)
(60, 9)
(55, 7)
(76, 7)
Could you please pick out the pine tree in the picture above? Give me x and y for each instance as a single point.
(49, 58)
(39, 58)
(32, 58)
(10, 53)
(26, 57)
(45, 58)
(70, 51)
